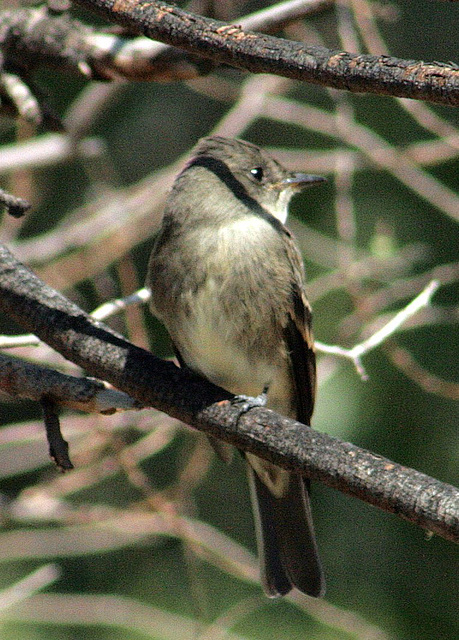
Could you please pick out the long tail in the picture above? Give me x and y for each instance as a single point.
(286, 542)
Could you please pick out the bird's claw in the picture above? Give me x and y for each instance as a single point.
(246, 403)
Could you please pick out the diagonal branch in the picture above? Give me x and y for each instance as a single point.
(230, 44)
(104, 353)
(31, 37)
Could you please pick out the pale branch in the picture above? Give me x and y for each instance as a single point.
(105, 226)
(107, 355)
(277, 16)
(357, 351)
(428, 381)
(120, 304)
(22, 379)
(26, 587)
(217, 549)
(230, 44)
(364, 14)
(124, 616)
(381, 153)
(47, 150)
(24, 340)
(22, 97)
(32, 37)
(400, 288)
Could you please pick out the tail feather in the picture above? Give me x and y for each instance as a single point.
(286, 540)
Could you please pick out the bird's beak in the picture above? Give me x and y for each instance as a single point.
(301, 181)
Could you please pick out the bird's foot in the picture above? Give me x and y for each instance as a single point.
(245, 403)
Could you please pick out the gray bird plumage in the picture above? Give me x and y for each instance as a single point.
(227, 281)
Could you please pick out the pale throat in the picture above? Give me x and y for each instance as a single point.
(280, 209)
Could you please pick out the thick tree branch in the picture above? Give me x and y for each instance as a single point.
(32, 37)
(411, 495)
(258, 53)
(27, 380)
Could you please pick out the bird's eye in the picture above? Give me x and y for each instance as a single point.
(257, 173)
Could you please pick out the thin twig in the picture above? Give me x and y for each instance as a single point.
(58, 447)
(141, 296)
(22, 97)
(355, 354)
(400, 289)
(47, 150)
(425, 116)
(381, 153)
(429, 382)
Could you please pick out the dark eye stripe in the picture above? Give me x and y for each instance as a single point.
(221, 171)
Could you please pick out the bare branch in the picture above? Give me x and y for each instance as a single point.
(47, 150)
(25, 588)
(26, 380)
(43, 38)
(104, 353)
(145, 59)
(380, 152)
(355, 354)
(364, 15)
(69, 44)
(58, 447)
(208, 542)
(22, 97)
(257, 53)
(25, 340)
(33, 36)
(115, 306)
(278, 15)
(123, 615)
(431, 383)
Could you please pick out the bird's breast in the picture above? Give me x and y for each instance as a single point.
(228, 327)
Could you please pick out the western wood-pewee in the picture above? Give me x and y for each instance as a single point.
(227, 281)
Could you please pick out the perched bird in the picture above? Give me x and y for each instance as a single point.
(227, 281)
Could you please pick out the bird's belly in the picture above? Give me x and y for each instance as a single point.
(217, 346)
(212, 349)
